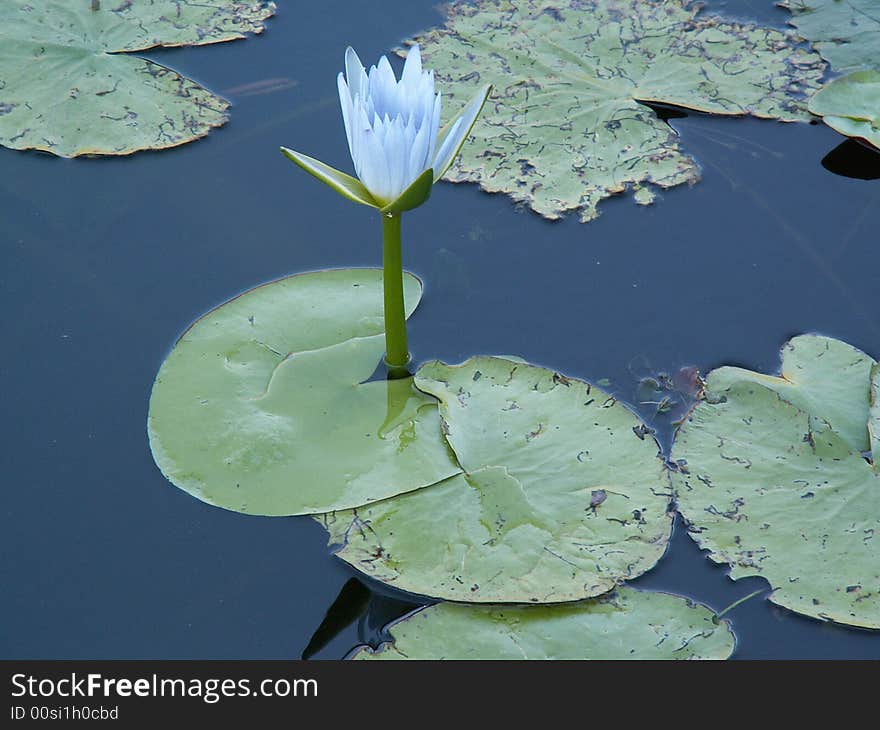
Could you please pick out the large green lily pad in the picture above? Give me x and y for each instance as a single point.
(774, 490)
(68, 87)
(851, 105)
(626, 624)
(845, 32)
(262, 408)
(820, 375)
(564, 128)
(563, 496)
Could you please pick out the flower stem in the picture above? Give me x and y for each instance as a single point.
(396, 349)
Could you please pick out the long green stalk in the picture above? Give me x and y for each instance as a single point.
(396, 348)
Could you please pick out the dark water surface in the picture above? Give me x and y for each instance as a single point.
(106, 261)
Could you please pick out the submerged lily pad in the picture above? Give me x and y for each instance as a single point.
(820, 375)
(851, 105)
(68, 87)
(563, 494)
(846, 34)
(775, 490)
(626, 624)
(262, 408)
(564, 128)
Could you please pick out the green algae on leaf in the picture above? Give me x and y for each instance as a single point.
(69, 87)
(564, 128)
(563, 494)
(772, 488)
(851, 105)
(846, 33)
(625, 624)
(262, 408)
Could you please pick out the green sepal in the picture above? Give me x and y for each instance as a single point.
(416, 194)
(346, 185)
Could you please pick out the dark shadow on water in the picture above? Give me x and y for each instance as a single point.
(368, 604)
(349, 606)
(854, 159)
(666, 111)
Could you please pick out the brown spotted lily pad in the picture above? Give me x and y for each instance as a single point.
(70, 86)
(562, 497)
(778, 477)
(567, 124)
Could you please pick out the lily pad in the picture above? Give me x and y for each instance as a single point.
(626, 624)
(845, 33)
(563, 494)
(874, 422)
(820, 375)
(262, 408)
(851, 105)
(567, 124)
(67, 85)
(774, 490)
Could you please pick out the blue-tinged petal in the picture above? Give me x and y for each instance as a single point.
(374, 168)
(396, 154)
(433, 125)
(459, 132)
(412, 68)
(345, 185)
(419, 158)
(355, 73)
(347, 111)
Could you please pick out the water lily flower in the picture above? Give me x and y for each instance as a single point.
(394, 135)
(399, 152)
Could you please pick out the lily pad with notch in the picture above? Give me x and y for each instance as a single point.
(625, 624)
(263, 407)
(69, 86)
(774, 482)
(563, 494)
(568, 123)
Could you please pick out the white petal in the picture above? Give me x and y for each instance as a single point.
(355, 73)
(396, 155)
(459, 132)
(419, 159)
(412, 69)
(347, 111)
(433, 127)
(360, 128)
(374, 168)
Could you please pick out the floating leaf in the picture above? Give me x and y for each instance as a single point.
(776, 491)
(820, 375)
(563, 494)
(68, 87)
(874, 422)
(846, 34)
(262, 408)
(626, 624)
(564, 128)
(851, 105)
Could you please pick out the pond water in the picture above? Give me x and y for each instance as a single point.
(106, 261)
